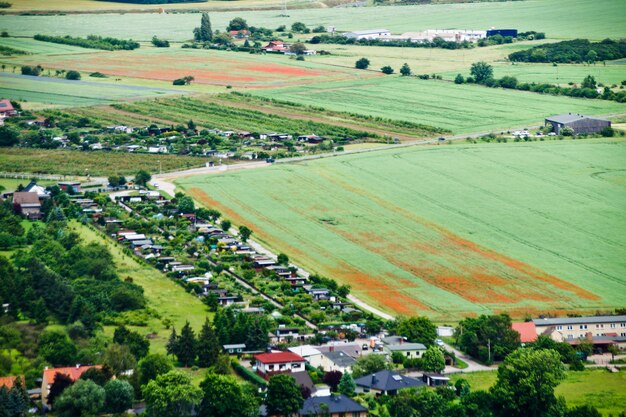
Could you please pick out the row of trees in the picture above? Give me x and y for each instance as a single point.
(188, 349)
(482, 73)
(92, 41)
(364, 63)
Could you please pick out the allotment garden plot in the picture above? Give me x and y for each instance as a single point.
(447, 230)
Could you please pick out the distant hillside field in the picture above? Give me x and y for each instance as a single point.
(447, 230)
(459, 108)
(596, 20)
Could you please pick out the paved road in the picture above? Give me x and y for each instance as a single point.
(472, 365)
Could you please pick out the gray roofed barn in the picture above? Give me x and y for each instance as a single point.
(577, 122)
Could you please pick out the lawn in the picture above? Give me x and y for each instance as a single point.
(596, 387)
(459, 108)
(101, 163)
(41, 92)
(597, 20)
(167, 298)
(447, 231)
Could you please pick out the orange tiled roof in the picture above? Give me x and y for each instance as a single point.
(7, 381)
(74, 372)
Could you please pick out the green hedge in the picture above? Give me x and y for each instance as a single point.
(248, 375)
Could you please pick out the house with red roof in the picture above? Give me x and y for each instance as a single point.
(276, 46)
(527, 331)
(269, 364)
(8, 381)
(6, 108)
(239, 34)
(74, 372)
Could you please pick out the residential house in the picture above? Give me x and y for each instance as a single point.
(332, 406)
(393, 344)
(435, 380)
(310, 353)
(227, 300)
(526, 330)
(368, 34)
(336, 361)
(268, 364)
(239, 34)
(33, 187)
(6, 108)
(602, 331)
(385, 383)
(8, 381)
(27, 203)
(276, 46)
(303, 379)
(577, 122)
(74, 372)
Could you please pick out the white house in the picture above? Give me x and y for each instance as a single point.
(268, 364)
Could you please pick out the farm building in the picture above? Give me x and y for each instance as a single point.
(502, 32)
(368, 34)
(577, 122)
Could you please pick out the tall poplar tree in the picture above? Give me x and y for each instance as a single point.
(204, 32)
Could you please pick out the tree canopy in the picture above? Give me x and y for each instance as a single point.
(171, 395)
(526, 382)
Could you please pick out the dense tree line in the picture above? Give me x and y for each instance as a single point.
(488, 338)
(435, 43)
(92, 41)
(482, 73)
(574, 51)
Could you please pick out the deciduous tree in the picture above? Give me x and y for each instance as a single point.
(225, 397)
(526, 382)
(171, 395)
(283, 396)
(433, 360)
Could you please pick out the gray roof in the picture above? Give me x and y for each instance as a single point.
(333, 404)
(569, 117)
(340, 359)
(368, 32)
(235, 346)
(579, 320)
(405, 347)
(387, 381)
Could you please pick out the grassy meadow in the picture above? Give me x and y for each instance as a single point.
(597, 20)
(596, 387)
(167, 298)
(447, 230)
(459, 108)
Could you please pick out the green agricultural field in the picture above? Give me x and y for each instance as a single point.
(596, 387)
(447, 231)
(597, 20)
(611, 73)
(43, 48)
(163, 295)
(40, 92)
(100, 163)
(459, 108)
